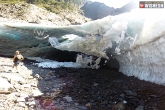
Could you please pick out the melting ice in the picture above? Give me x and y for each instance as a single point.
(136, 39)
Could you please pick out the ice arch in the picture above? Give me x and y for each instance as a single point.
(136, 39)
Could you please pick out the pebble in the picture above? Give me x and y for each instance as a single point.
(130, 93)
(21, 99)
(34, 84)
(118, 106)
(22, 82)
(22, 104)
(88, 105)
(140, 108)
(30, 77)
(32, 103)
(68, 99)
(36, 93)
(26, 85)
(37, 76)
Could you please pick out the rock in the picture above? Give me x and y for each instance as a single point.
(26, 85)
(36, 93)
(48, 79)
(13, 77)
(34, 84)
(118, 106)
(88, 105)
(22, 104)
(140, 108)
(68, 99)
(124, 102)
(32, 103)
(21, 99)
(76, 104)
(130, 93)
(11, 96)
(22, 82)
(5, 86)
(30, 77)
(82, 107)
(26, 108)
(37, 76)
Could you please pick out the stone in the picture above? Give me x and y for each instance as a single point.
(26, 85)
(23, 95)
(21, 99)
(5, 86)
(88, 105)
(30, 77)
(32, 103)
(37, 76)
(130, 93)
(22, 104)
(36, 93)
(68, 99)
(13, 77)
(140, 108)
(82, 107)
(22, 82)
(118, 106)
(26, 108)
(34, 84)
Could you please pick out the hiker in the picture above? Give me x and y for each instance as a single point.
(17, 57)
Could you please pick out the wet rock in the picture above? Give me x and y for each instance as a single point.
(82, 107)
(140, 108)
(118, 106)
(130, 93)
(68, 99)
(88, 105)
(37, 76)
(48, 79)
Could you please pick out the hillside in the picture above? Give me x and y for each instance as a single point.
(24, 12)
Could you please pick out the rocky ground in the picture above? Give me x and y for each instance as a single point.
(29, 13)
(33, 88)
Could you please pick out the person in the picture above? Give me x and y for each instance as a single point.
(17, 57)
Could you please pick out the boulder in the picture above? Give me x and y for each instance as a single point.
(5, 86)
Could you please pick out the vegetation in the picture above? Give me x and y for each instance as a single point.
(55, 6)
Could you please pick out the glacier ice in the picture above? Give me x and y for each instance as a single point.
(139, 39)
(136, 40)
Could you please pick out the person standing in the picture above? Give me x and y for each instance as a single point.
(17, 57)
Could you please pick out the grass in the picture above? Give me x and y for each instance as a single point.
(12, 1)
